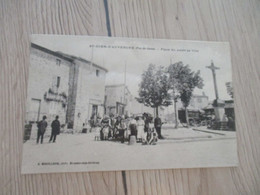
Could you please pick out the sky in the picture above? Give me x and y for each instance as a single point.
(135, 55)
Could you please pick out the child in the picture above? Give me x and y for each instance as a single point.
(151, 137)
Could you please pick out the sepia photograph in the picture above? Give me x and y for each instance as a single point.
(111, 103)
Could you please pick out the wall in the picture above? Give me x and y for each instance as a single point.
(73, 85)
(199, 102)
(90, 91)
(113, 95)
(42, 73)
(196, 102)
(134, 107)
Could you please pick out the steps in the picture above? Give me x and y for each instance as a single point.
(220, 125)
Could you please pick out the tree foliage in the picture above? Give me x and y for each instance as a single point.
(174, 71)
(154, 87)
(183, 81)
(159, 86)
(230, 89)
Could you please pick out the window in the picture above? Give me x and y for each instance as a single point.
(97, 73)
(58, 62)
(94, 110)
(58, 82)
(105, 99)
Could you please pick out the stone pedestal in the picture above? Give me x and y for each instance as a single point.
(220, 119)
(27, 132)
(219, 113)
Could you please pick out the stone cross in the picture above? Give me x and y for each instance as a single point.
(213, 68)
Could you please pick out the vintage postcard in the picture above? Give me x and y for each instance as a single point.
(103, 103)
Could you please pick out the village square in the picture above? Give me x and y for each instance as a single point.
(77, 94)
(71, 109)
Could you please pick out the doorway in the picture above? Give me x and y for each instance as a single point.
(94, 110)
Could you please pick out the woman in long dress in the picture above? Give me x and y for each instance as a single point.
(140, 128)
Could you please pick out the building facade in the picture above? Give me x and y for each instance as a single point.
(197, 102)
(229, 108)
(116, 99)
(64, 85)
(119, 101)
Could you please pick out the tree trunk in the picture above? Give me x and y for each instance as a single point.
(187, 117)
(156, 111)
(176, 114)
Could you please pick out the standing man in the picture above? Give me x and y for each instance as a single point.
(146, 122)
(112, 125)
(55, 129)
(158, 126)
(41, 128)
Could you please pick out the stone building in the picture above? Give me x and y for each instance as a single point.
(64, 85)
(117, 103)
(229, 108)
(115, 100)
(199, 101)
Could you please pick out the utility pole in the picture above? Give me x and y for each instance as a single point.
(124, 86)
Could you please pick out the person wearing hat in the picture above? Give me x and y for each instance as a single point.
(158, 126)
(105, 128)
(120, 127)
(55, 129)
(42, 125)
(112, 122)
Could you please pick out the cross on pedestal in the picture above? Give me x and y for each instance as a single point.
(213, 68)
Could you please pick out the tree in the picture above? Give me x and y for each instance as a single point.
(154, 88)
(230, 89)
(186, 81)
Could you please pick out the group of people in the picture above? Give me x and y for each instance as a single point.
(139, 126)
(113, 127)
(228, 119)
(42, 126)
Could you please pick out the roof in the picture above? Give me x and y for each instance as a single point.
(192, 109)
(118, 85)
(83, 60)
(33, 45)
(228, 104)
(208, 107)
(201, 96)
(65, 56)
